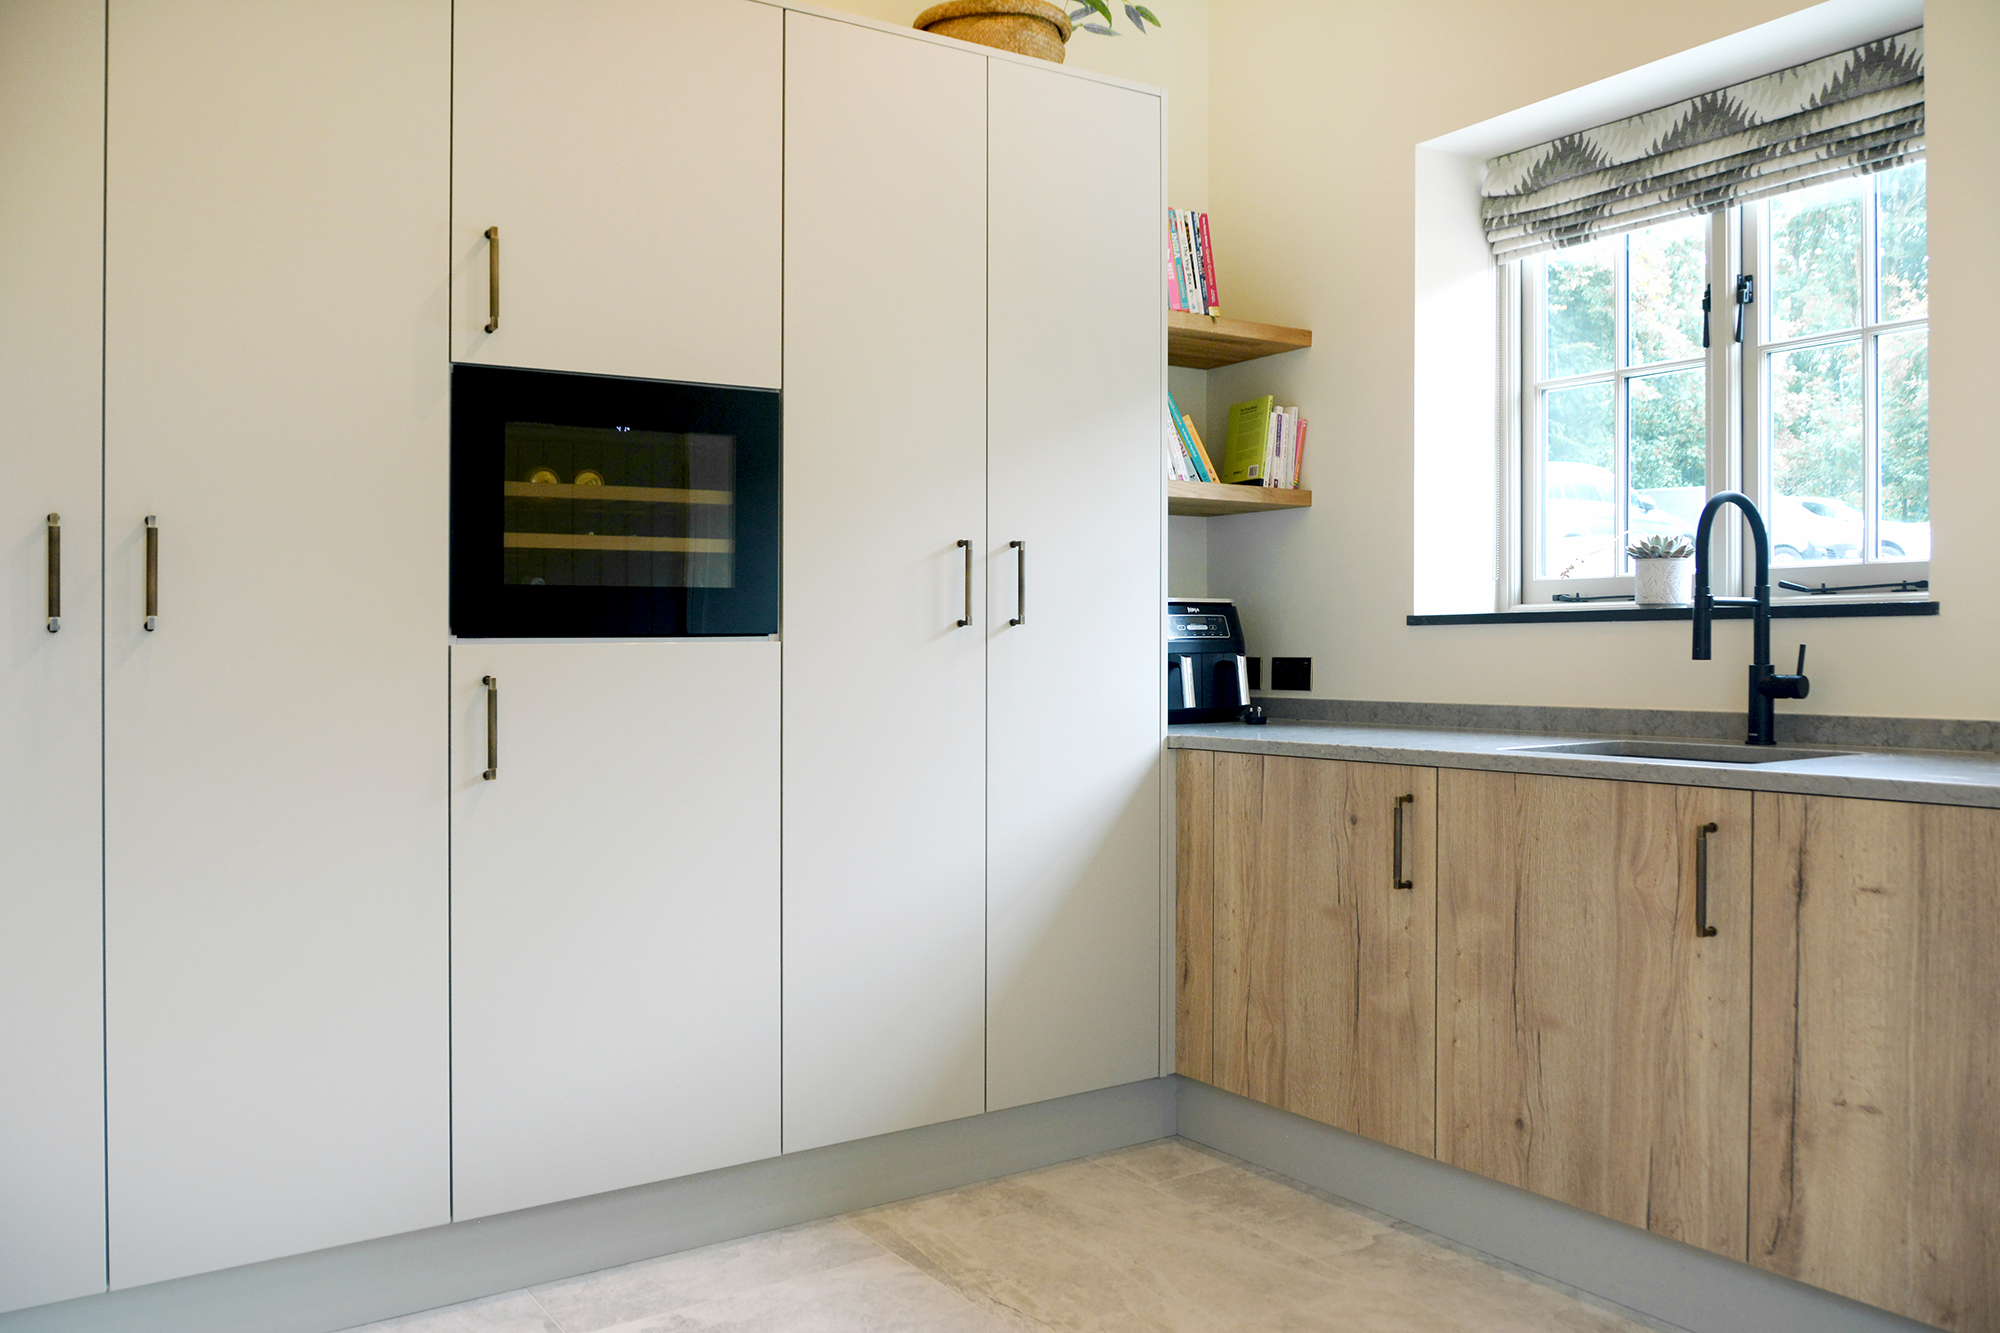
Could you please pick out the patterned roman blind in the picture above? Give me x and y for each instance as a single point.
(1844, 114)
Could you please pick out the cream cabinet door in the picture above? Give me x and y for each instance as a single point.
(614, 915)
(1075, 415)
(629, 153)
(885, 521)
(51, 850)
(276, 396)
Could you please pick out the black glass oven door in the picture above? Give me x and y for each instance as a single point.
(586, 505)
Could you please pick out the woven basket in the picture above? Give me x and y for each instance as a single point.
(1025, 27)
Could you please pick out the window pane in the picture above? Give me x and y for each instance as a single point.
(1669, 443)
(1577, 541)
(1576, 309)
(1815, 284)
(1900, 231)
(1668, 270)
(1816, 454)
(1905, 424)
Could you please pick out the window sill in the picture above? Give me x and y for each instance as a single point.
(1789, 609)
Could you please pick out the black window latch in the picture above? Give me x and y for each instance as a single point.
(1746, 292)
(1705, 291)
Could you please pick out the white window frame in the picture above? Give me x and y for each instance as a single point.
(1739, 443)
(1759, 348)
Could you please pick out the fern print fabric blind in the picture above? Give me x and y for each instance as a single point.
(1852, 112)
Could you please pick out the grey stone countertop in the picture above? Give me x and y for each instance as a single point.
(1930, 776)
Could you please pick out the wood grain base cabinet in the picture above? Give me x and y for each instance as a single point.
(1875, 1143)
(1322, 952)
(1593, 1047)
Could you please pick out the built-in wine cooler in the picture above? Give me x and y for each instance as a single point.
(587, 505)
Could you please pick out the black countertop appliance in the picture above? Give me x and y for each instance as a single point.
(1208, 676)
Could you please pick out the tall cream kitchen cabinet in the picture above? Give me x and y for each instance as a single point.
(614, 893)
(885, 538)
(617, 186)
(275, 440)
(51, 959)
(1076, 385)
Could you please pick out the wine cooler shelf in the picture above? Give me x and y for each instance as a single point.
(591, 541)
(660, 495)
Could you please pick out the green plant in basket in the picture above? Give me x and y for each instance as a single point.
(1139, 14)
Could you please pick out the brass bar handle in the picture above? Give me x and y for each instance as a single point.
(1701, 926)
(1020, 584)
(152, 572)
(492, 684)
(1401, 883)
(967, 619)
(492, 279)
(55, 572)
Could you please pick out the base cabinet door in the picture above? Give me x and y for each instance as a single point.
(276, 397)
(1593, 1046)
(885, 659)
(1194, 914)
(614, 895)
(1074, 574)
(1875, 1108)
(628, 155)
(1325, 891)
(51, 741)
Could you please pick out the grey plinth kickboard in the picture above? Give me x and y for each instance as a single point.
(356, 1284)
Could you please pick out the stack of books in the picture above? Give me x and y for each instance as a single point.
(1266, 446)
(1187, 460)
(1190, 264)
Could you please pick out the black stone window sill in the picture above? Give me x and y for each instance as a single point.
(1789, 609)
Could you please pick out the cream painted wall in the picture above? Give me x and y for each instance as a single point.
(1173, 56)
(1316, 111)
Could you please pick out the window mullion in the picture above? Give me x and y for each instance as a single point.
(1621, 400)
(1753, 452)
(1871, 343)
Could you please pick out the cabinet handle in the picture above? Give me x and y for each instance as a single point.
(492, 279)
(1020, 584)
(1701, 926)
(966, 546)
(152, 572)
(1402, 883)
(55, 572)
(492, 684)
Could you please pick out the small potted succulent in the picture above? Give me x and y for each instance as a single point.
(1662, 571)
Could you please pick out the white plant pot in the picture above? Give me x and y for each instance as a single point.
(1664, 582)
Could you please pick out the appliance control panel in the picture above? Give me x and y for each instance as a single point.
(1198, 627)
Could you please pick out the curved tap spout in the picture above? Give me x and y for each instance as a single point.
(1705, 601)
(1765, 684)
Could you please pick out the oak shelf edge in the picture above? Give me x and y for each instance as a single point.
(1209, 499)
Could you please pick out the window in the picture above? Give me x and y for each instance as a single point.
(1630, 418)
(1839, 394)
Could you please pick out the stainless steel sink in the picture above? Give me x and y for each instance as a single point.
(1701, 752)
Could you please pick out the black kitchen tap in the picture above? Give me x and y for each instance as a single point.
(1766, 686)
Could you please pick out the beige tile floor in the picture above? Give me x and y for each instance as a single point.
(1164, 1237)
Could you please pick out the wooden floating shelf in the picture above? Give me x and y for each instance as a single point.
(1209, 499)
(1203, 342)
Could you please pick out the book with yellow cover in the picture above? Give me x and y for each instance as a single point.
(1244, 455)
